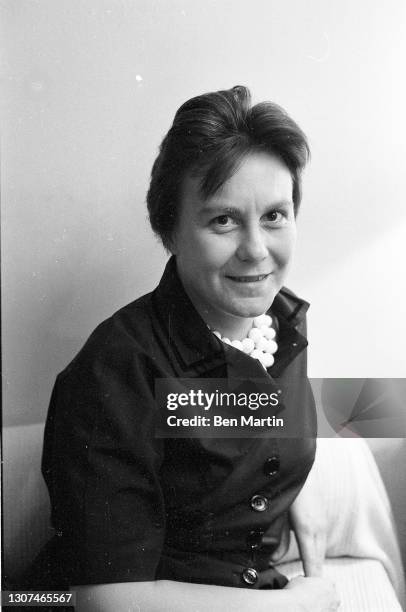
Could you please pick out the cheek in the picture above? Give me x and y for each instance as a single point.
(285, 247)
(214, 249)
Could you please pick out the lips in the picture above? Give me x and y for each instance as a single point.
(248, 278)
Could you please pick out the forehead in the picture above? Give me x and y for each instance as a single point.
(261, 178)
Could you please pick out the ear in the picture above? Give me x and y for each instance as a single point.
(171, 243)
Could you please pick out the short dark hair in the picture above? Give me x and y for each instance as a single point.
(210, 136)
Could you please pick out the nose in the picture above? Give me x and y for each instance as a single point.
(252, 246)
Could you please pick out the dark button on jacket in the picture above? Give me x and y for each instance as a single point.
(250, 576)
(133, 507)
(271, 466)
(254, 539)
(259, 503)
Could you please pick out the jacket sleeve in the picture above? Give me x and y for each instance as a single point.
(101, 463)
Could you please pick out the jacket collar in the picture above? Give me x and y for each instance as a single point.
(186, 332)
(289, 307)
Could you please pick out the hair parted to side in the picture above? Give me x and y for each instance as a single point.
(210, 136)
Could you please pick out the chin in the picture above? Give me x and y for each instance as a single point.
(252, 310)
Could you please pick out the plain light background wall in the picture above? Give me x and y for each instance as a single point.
(89, 90)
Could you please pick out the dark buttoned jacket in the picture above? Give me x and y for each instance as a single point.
(130, 506)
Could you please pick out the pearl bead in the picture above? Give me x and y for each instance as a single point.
(261, 344)
(268, 360)
(266, 320)
(217, 333)
(258, 321)
(268, 332)
(237, 344)
(248, 345)
(256, 354)
(271, 346)
(226, 340)
(254, 334)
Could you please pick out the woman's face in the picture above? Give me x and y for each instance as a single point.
(233, 249)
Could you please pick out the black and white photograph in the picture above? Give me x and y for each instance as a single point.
(203, 230)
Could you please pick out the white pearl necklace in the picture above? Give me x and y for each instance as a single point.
(260, 342)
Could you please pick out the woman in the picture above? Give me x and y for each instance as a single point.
(162, 523)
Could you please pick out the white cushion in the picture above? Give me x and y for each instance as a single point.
(363, 584)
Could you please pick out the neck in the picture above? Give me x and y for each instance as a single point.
(234, 328)
(229, 326)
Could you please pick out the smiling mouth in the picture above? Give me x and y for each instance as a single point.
(248, 279)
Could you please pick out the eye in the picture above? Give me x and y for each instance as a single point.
(223, 222)
(276, 217)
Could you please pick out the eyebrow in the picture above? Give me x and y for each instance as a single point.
(218, 209)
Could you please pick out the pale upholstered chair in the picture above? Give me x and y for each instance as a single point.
(363, 554)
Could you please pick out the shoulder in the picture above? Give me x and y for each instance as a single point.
(124, 338)
(110, 380)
